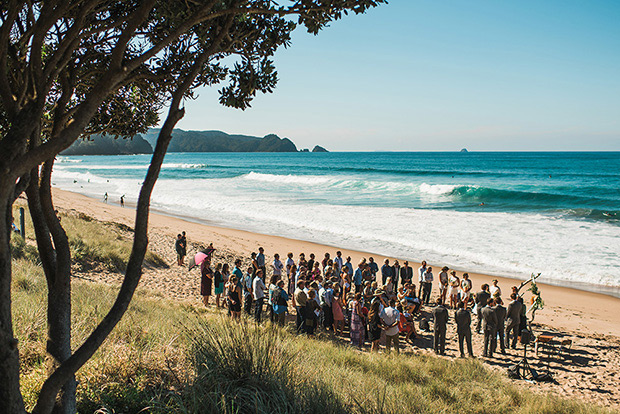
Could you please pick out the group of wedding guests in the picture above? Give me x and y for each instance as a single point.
(332, 293)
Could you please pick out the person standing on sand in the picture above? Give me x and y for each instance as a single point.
(206, 281)
(311, 263)
(390, 318)
(386, 272)
(184, 246)
(494, 290)
(395, 273)
(105, 198)
(258, 290)
(373, 267)
(489, 326)
(463, 328)
(277, 266)
(406, 274)
(374, 326)
(466, 289)
(500, 312)
(357, 323)
(482, 298)
(338, 263)
(260, 261)
(246, 286)
(454, 284)
(325, 262)
(326, 295)
(218, 284)
(358, 277)
(428, 285)
(349, 267)
(421, 272)
(301, 300)
(443, 284)
(123, 200)
(178, 247)
(513, 319)
(280, 305)
(337, 306)
(234, 297)
(440, 316)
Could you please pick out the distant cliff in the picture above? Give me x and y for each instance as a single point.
(218, 141)
(319, 148)
(108, 145)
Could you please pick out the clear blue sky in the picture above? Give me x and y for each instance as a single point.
(439, 76)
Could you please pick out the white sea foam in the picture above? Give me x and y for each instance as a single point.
(512, 244)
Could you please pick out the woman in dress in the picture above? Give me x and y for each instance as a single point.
(225, 277)
(455, 283)
(206, 281)
(357, 322)
(337, 310)
(374, 326)
(234, 297)
(218, 283)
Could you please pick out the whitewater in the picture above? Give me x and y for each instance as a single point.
(507, 214)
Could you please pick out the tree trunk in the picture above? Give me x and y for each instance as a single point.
(11, 401)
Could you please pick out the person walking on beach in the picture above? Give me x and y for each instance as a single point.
(513, 319)
(390, 318)
(386, 272)
(123, 200)
(500, 312)
(489, 326)
(105, 198)
(463, 328)
(440, 316)
(258, 291)
(428, 285)
(301, 299)
(482, 298)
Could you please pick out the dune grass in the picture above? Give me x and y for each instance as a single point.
(171, 357)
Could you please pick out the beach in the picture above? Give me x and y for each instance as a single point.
(588, 319)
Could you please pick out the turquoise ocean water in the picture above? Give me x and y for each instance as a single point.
(555, 213)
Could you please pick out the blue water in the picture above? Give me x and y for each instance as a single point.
(507, 213)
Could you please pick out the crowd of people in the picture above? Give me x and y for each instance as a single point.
(368, 301)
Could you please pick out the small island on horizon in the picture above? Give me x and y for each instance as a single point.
(184, 141)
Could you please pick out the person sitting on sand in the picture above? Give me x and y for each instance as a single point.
(406, 325)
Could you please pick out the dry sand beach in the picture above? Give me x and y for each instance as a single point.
(591, 373)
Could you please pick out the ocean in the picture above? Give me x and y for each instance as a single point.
(508, 214)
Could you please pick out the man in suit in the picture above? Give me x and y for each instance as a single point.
(513, 319)
(440, 315)
(500, 312)
(463, 328)
(489, 326)
(406, 274)
(482, 298)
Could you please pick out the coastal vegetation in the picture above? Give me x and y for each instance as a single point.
(166, 356)
(109, 145)
(75, 69)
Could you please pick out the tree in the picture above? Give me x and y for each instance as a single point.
(72, 68)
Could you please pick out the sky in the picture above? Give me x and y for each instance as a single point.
(441, 76)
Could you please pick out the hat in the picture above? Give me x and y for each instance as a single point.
(379, 292)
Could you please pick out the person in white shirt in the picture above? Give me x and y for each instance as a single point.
(277, 266)
(390, 317)
(428, 285)
(421, 272)
(338, 263)
(258, 291)
(496, 292)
